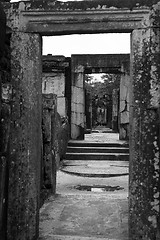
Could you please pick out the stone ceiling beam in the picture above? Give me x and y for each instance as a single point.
(50, 23)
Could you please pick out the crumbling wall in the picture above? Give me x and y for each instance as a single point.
(144, 201)
(53, 80)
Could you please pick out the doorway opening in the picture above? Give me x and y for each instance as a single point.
(78, 110)
(99, 90)
(88, 166)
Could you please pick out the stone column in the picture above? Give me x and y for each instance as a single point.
(49, 129)
(144, 208)
(124, 103)
(25, 137)
(115, 109)
(77, 103)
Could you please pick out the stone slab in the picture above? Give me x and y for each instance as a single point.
(54, 83)
(92, 216)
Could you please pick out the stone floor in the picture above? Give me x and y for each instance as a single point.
(74, 214)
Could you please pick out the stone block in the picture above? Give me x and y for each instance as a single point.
(78, 118)
(77, 95)
(78, 79)
(79, 108)
(62, 106)
(123, 90)
(123, 106)
(124, 132)
(77, 132)
(124, 117)
(53, 83)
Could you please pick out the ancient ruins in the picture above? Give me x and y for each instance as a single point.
(29, 106)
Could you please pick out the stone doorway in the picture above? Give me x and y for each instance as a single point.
(107, 63)
(28, 22)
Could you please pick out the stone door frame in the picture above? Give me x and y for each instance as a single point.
(85, 63)
(30, 20)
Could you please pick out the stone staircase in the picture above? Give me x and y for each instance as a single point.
(97, 151)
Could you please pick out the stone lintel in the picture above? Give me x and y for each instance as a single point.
(113, 70)
(98, 62)
(50, 18)
(59, 22)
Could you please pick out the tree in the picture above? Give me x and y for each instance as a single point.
(101, 93)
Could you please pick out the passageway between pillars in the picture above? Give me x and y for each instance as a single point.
(92, 195)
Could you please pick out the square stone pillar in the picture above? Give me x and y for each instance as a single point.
(124, 103)
(144, 205)
(115, 109)
(49, 118)
(77, 103)
(25, 137)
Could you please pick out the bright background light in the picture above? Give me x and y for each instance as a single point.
(87, 44)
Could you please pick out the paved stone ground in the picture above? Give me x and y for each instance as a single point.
(87, 215)
(95, 168)
(101, 134)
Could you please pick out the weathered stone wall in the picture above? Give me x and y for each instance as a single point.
(6, 98)
(124, 103)
(55, 83)
(53, 80)
(25, 137)
(5, 110)
(144, 196)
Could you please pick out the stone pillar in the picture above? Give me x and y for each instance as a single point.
(54, 82)
(115, 109)
(48, 126)
(144, 206)
(25, 137)
(124, 104)
(77, 103)
(4, 154)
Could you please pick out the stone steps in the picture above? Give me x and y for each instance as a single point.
(82, 143)
(81, 150)
(96, 149)
(97, 156)
(70, 237)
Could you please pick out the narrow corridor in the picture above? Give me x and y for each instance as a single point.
(92, 198)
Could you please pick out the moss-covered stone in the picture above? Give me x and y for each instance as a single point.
(90, 4)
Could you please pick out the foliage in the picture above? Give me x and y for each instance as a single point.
(101, 94)
(102, 90)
